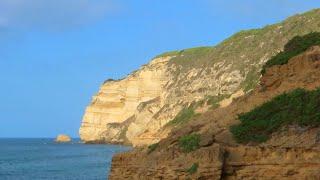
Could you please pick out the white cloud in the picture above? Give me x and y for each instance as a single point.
(53, 14)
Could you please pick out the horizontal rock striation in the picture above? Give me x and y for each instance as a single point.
(111, 111)
(291, 153)
(271, 163)
(171, 166)
(135, 110)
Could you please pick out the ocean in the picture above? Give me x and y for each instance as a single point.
(43, 159)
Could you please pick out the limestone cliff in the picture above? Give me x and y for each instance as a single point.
(291, 153)
(135, 110)
(111, 113)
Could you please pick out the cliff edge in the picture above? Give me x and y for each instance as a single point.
(137, 109)
(205, 148)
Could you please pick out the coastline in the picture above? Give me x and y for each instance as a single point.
(31, 158)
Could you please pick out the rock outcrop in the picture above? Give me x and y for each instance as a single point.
(111, 115)
(136, 109)
(291, 153)
(62, 138)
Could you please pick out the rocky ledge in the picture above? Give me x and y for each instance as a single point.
(137, 109)
(291, 153)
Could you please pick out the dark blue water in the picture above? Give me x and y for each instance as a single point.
(32, 159)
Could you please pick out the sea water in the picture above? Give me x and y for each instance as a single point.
(32, 159)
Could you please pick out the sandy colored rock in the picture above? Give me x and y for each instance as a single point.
(291, 153)
(172, 164)
(135, 110)
(111, 115)
(62, 138)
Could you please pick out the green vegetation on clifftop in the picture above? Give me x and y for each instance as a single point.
(299, 107)
(197, 51)
(248, 50)
(213, 101)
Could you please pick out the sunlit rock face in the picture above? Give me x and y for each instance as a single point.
(112, 109)
(135, 110)
(62, 138)
(291, 152)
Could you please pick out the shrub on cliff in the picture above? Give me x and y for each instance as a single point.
(193, 169)
(297, 107)
(183, 116)
(293, 48)
(189, 142)
(152, 147)
(213, 101)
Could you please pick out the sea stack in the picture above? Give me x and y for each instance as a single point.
(62, 138)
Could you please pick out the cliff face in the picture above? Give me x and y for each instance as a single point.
(135, 110)
(111, 112)
(291, 153)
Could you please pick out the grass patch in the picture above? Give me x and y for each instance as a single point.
(213, 101)
(251, 81)
(187, 57)
(299, 107)
(244, 50)
(189, 142)
(193, 169)
(196, 104)
(293, 48)
(171, 53)
(186, 52)
(152, 147)
(183, 116)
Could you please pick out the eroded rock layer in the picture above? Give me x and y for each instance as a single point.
(135, 110)
(111, 112)
(291, 153)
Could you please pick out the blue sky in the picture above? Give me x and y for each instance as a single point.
(54, 54)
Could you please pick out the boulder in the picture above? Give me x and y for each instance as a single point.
(62, 138)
